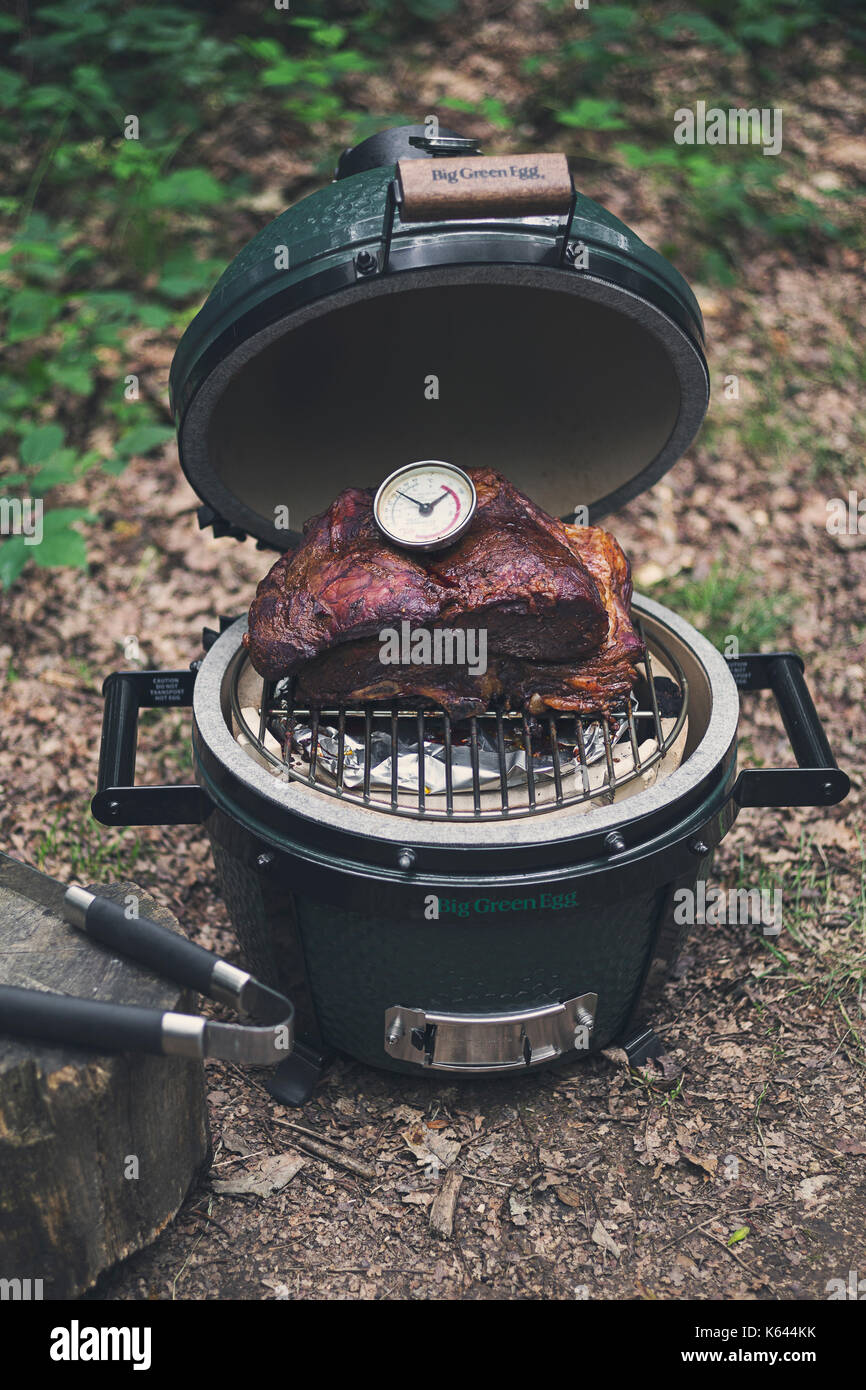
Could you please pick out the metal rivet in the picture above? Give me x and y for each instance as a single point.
(614, 843)
(114, 808)
(365, 262)
(264, 861)
(406, 860)
(828, 788)
(396, 1032)
(698, 847)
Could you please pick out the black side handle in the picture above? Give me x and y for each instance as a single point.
(816, 780)
(118, 801)
(163, 951)
(60, 1018)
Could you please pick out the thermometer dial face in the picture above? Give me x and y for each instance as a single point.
(425, 506)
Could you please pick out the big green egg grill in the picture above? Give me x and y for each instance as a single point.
(489, 318)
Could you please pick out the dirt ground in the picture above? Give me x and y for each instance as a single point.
(737, 1171)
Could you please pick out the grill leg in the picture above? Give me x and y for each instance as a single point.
(641, 1046)
(295, 1079)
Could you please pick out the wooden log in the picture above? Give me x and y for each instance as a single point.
(96, 1152)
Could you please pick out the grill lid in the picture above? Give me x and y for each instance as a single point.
(345, 341)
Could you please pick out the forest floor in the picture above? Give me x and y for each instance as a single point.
(741, 1177)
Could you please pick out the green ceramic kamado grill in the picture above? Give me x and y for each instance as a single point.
(433, 303)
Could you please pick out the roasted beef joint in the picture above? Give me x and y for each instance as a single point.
(551, 600)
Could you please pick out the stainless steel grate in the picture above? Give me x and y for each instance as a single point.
(572, 780)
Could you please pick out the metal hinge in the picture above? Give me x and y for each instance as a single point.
(489, 1042)
(218, 524)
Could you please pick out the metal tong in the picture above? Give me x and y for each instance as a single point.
(61, 1018)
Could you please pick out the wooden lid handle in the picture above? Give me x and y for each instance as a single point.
(498, 185)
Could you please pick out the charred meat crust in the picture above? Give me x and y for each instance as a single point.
(512, 571)
(554, 601)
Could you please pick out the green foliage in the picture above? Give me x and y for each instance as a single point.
(829, 964)
(113, 228)
(728, 603)
(755, 24)
(112, 211)
(60, 545)
(104, 236)
(592, 113)
(490, 109)
(383, 22)
(699, 27)
(432, 10)
(57, 339)
(74, 839)
(98, 61)
(311, 76)
(718, 196)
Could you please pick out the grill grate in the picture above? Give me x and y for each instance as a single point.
(572, 781)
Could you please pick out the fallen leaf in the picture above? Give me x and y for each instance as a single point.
(269, 1176)
(551, 1158)
(551, 1179)
(601, 1237)
(407, 1113)
(810, 1188)
(281, 1290)
(570, 1196)
(519, 1210)
(235, 1144)
(432, 1148)
(707, 1165)
(662, 1071)
(444, 1148)
(836, 834)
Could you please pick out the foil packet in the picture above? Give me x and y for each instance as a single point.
(327, 756)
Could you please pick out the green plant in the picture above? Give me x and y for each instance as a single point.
(60, 545)
(123, 253)
(105, 236)
(95, 62)
(717, 197)
(92, 856)
(312, 76)
(728, 603)
(821, 952)
(775, 424)
(59, 341)
(592, 113)
(735, 193)
(490, 109)
(757, 24)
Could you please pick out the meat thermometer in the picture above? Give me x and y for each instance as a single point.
(425, 505)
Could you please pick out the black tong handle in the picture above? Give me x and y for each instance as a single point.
(142, 939)
(61, 1018)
